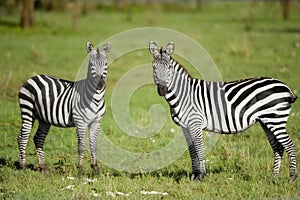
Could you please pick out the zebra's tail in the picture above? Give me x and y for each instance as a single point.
(293, 97)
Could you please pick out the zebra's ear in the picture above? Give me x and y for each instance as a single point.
(106, 48)
(170, 48)
(153, 48)
(89, 47)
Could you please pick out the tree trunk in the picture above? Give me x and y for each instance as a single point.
(118, 4)
(285, 9)
(75, 12)
(27, 8)
(199, 4)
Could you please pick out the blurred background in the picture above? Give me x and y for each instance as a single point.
(26, 8)
(244, 38)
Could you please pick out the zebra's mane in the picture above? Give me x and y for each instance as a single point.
(179, 67)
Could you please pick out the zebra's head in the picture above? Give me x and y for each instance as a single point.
(162, 68)
(98, 61)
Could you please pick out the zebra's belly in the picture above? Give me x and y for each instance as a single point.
(55, 116)
(213, 122)
(226, 127)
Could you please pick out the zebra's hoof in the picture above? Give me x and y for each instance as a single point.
(79, 171)
(293, 177)
(95, 169)
(44, 169)
(21, 166)
(197, 177)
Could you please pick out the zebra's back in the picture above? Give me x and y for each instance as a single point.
(232, 107)
(48, 99)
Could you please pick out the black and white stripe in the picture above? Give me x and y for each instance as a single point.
(62, 103)
(223, 107)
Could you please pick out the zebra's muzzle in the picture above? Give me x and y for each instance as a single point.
(162, 90)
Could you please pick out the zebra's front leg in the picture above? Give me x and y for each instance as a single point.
(80, 131)
(39, 139)
(94, 129)
(193, 154)
(199, 151)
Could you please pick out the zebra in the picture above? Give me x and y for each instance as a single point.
(223, 107)
(63, 103)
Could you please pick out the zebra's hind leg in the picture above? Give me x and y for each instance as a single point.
(280, 141)
(23, 139)
(277, 149)
(39, 139)
(27, 123)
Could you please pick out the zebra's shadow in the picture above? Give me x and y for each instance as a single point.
(14, 164)
(9, 163)
(177, 175)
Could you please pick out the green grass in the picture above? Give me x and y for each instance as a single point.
(244, 40)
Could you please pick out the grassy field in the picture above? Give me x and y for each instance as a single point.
(244, 40)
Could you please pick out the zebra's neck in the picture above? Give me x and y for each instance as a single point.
(92, 88)
(179, 68)
(97, 83)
